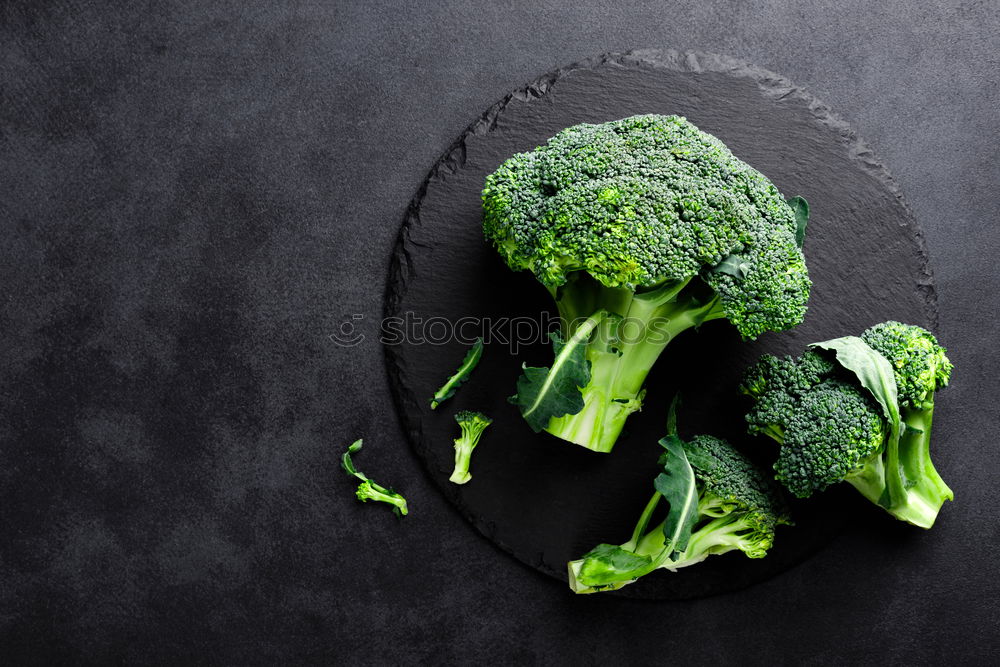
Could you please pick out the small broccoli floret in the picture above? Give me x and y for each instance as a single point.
(920, 365)
(857, 409)
(718, 502)
(777, 384)
(472, 424)
(657, 223)
(368, 489)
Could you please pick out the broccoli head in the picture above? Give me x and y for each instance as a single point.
(656, 222)
(857, 409)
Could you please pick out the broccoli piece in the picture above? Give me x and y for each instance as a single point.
(452, 384)
(919, 364)
(368, 489)
(473, 424)
(861, 415)
(920, 367)
(719, 502)
(654, 222)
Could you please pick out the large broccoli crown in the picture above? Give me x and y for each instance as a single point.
(735, 483)
(647, 199)
(920, 365)
(832, 432)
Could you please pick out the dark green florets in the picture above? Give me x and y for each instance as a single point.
(828, 427)
(778, 385)
(857, 410)
(472, 423)
(833, 432)
(644, 200)
(732, 482)
(787, 374)
(920, 365)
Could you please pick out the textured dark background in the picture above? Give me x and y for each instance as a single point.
(195, 195)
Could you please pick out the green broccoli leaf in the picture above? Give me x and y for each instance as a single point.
(875, 374)
(734, 265)
(677, 485)
(347, 464)
(801, 209)
(544, 393)
(461, 375)
(672, 415)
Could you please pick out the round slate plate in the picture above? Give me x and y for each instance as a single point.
(546, 501)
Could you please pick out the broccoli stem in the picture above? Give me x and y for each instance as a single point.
(718, 532)
(923, 489)
(624, 349)
(463, 456)
(926, 492)
(870, 481)
(717, 536)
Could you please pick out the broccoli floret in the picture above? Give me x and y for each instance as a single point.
(857, 409)
(834, 433)
(920, 365)
(473, 424)
(778, 383)
(733, 507)
(369, 489)
(657, 223)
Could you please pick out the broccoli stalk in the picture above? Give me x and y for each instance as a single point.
(928, 491)
(472, 424)
(623, 350)
(656, 227)
(718, 502)
(920, 368)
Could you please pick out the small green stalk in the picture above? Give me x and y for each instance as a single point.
(460, 376)
(463, 456)
(623, 351)
(926, 492)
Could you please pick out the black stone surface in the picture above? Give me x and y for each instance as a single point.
(194, 196)
(543, 500)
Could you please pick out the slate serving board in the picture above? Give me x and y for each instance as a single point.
(546, 501)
